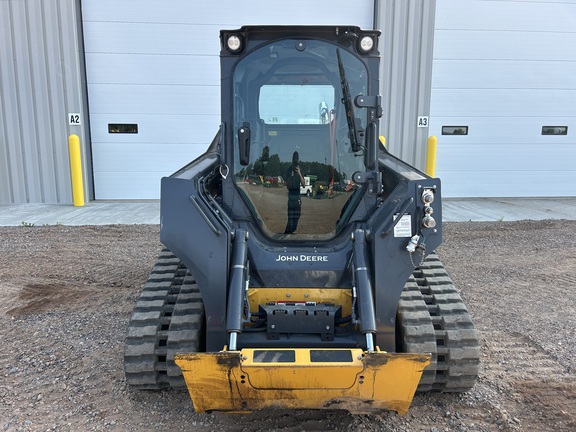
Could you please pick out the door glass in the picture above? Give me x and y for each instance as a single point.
(297, 181)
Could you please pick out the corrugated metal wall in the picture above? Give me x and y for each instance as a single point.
(406, 47)
(41, 81)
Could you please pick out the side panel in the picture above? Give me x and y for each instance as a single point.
(202, 242)
(392, 263)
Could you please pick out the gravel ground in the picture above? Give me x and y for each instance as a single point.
(66, 295)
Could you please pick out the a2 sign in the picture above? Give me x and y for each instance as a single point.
(74, 119)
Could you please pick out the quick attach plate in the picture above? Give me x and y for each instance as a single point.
(309, 318)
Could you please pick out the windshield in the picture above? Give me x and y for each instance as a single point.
(288, 94)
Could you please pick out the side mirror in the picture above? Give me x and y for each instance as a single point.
(244, 144)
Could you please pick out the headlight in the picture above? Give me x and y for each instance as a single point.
(366, 44)
(234, 43)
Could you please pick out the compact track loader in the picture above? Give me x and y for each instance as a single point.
(266, 297)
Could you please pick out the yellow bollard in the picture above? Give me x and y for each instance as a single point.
(431, 156)
(76, 170)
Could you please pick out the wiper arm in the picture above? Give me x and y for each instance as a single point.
(347, 101)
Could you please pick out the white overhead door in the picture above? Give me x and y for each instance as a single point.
(505, 73)
(153, 79)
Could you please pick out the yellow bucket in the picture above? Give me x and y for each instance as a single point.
(350, 379)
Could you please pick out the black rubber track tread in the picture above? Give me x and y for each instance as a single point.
(167, 319)
(433, 318)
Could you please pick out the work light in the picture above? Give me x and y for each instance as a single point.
(234, 43)
(366, 44)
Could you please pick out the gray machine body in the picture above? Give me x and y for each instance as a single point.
(207, 222)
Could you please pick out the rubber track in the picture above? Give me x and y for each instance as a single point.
(434, 319)
(168, 318)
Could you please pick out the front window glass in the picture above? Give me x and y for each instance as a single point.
(289, 96)
(299, 104)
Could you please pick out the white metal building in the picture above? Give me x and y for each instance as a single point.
(138, 81)
(155, 65)
(506, 71)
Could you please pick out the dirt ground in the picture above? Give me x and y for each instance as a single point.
(66, 294)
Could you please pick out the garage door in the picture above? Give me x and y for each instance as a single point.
(503, 98)
(153, 79)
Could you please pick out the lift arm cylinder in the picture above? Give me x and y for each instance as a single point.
(363, 283)
(237, 279)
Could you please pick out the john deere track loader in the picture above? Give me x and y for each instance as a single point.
(266, 297)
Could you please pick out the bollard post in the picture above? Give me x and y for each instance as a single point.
(76, 170)
(431, 156)
(383, 140)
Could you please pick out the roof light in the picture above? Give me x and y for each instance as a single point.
(234, 43)
(366, 44)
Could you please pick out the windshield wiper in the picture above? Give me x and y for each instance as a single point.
(347, 101)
